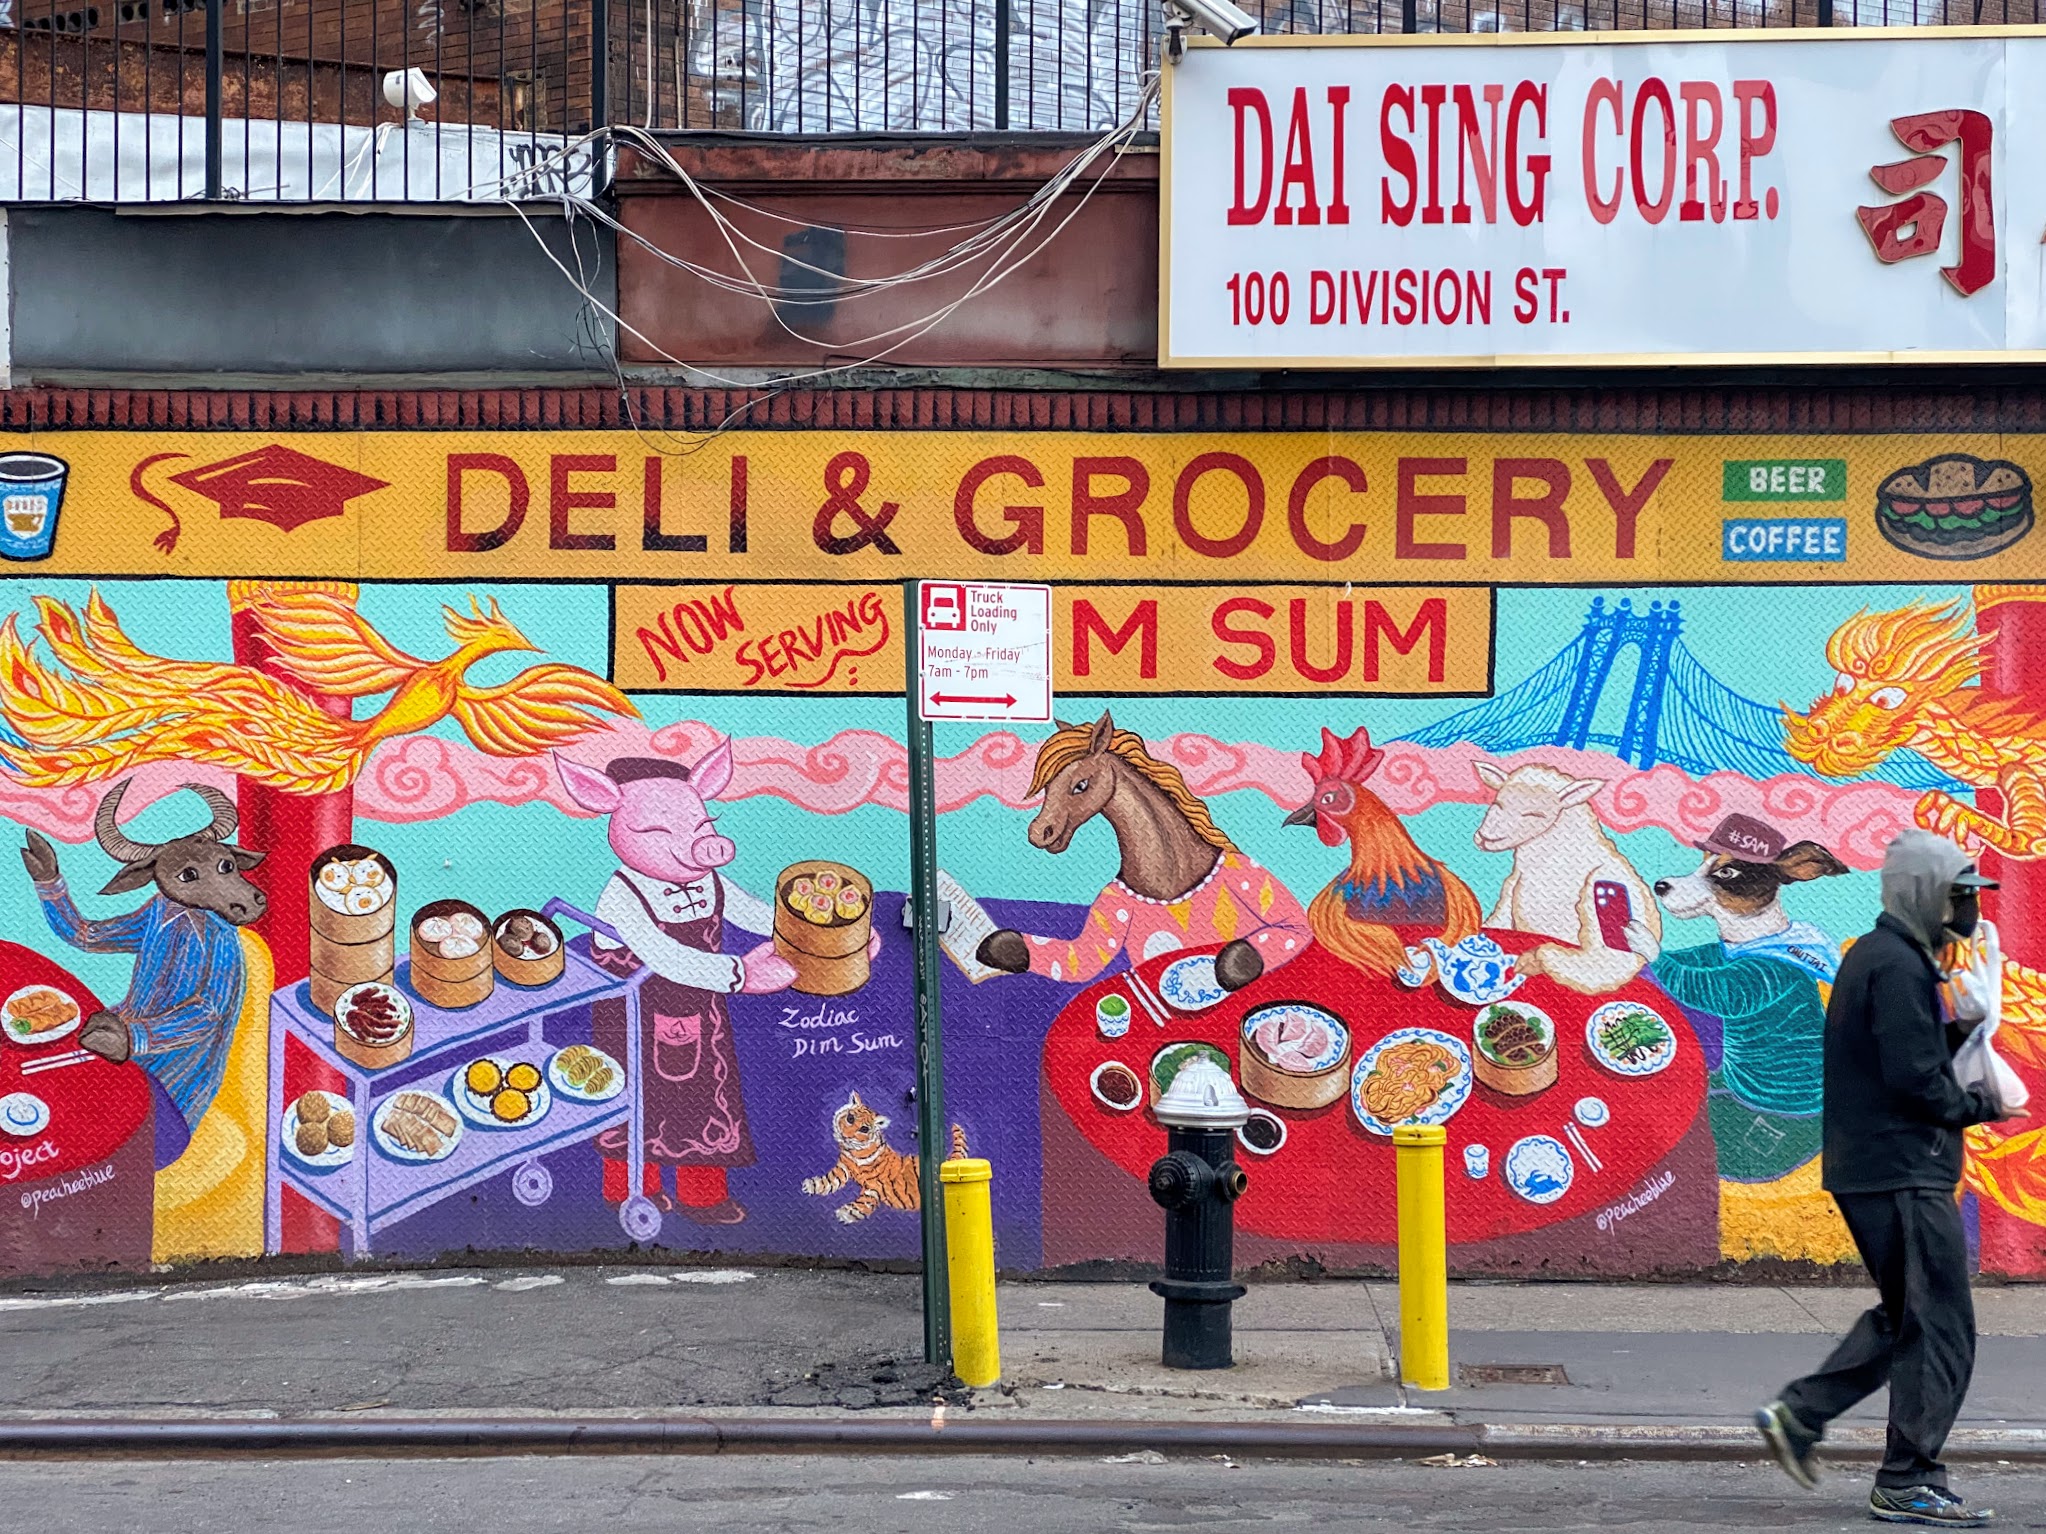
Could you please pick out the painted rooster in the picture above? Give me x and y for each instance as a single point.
(109, 706)
(1391, 882)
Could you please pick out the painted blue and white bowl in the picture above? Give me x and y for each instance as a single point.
(23, 1114)
(1189, 984)
(1539, 1169)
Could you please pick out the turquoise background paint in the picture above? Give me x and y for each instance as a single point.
(1767, 643)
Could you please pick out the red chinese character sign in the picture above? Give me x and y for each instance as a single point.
(1914, 226)
(1341, 202)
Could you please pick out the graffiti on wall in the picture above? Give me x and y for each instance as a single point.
(531, 876)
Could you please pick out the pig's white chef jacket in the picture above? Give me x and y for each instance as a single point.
(696, 968)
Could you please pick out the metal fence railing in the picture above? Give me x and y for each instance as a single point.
(464, 100)
(296, 100)
(950, 66)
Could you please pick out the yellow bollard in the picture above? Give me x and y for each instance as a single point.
(1424, 1257)
(970, 1251)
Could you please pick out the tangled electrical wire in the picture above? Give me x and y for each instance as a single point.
(991, 250)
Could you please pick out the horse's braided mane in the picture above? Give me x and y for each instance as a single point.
(1069, 745)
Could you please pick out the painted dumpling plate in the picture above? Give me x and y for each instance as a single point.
(1189, 984)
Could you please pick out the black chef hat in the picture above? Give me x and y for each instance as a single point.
(632, 769)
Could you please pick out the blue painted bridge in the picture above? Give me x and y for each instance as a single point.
(1674, 711)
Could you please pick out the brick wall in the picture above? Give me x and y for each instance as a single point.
(1589, 405)
(513, 64)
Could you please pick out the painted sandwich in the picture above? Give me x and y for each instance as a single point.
(1955, 507)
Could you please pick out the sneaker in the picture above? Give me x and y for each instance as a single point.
(1795, 1449)
(1925, 1504)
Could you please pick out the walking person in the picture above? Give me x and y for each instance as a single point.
(1894, 1117)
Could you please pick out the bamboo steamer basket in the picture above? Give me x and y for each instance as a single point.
(829, 959)
(371, 1057)
(1267, 1083)
(338, 926)
(1515, 1080)
(352, 963)
(544, 970)
(452, 983)
(347, 949)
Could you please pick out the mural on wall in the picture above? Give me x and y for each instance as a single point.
(607, 948)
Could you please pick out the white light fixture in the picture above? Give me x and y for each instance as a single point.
(409, 91)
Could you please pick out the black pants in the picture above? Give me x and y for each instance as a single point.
(1920, 1339)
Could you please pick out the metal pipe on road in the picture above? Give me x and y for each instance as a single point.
(453, 1437)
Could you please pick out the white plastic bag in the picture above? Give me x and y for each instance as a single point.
(1976, 1063)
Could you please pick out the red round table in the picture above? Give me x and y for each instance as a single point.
(1331, 1182)
(81, 1193)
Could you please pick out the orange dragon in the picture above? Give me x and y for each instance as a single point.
(1906, 679)
(108, 705)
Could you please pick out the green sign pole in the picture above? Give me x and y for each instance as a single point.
(930, 1060)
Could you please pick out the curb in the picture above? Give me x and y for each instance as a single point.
(78, 1438)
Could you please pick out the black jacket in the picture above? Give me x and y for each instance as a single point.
(1894, 1112)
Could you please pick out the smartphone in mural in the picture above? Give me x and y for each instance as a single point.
(1615, 910)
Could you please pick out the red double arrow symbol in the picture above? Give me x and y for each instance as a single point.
(942, 698)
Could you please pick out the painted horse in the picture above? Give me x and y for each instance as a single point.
(1182, 884)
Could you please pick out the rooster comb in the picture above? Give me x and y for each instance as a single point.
(1343, 761)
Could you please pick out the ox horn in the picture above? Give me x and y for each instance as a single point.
(106, 829)
(224, 818)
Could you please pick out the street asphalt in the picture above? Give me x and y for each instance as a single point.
(780, 1495)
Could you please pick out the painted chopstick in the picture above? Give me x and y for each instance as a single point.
(1583, 1148)
(1149, 1002)
(51, 1062)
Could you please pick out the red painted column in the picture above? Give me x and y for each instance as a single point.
(2016, 670)
(293, 829)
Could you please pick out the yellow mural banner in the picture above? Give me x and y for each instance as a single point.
(1271, 640)
(1449, 508)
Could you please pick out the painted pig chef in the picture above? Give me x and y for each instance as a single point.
(670, 903)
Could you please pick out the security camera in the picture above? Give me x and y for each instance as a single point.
(1218, 18)
(409, 91)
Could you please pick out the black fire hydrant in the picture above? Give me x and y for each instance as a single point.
(1197, 1182)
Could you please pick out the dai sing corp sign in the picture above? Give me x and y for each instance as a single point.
(1743, 197)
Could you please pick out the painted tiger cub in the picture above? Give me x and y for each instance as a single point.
(883, 1174)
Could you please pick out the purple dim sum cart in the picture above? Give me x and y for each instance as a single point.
(372, 1190)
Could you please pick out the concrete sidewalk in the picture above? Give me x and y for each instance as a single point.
(767, 1342)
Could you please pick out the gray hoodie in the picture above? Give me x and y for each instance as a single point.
(1918, 870)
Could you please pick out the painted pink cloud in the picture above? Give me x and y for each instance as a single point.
(425, 777)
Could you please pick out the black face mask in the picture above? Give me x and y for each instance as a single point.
(1964, 908)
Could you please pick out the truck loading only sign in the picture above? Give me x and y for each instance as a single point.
(1559, 198)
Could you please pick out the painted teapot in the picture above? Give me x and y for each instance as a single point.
(1477, 970)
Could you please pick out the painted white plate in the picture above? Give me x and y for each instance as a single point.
(568, 1089)
(1539, 1169)
(23, 1114)
(1644, 1060)
(13, 1026)
(334, 1155)
(1593, 1113)
(1443, 1108)
(1189, 984)
(397, 1152)
(477, 1109)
